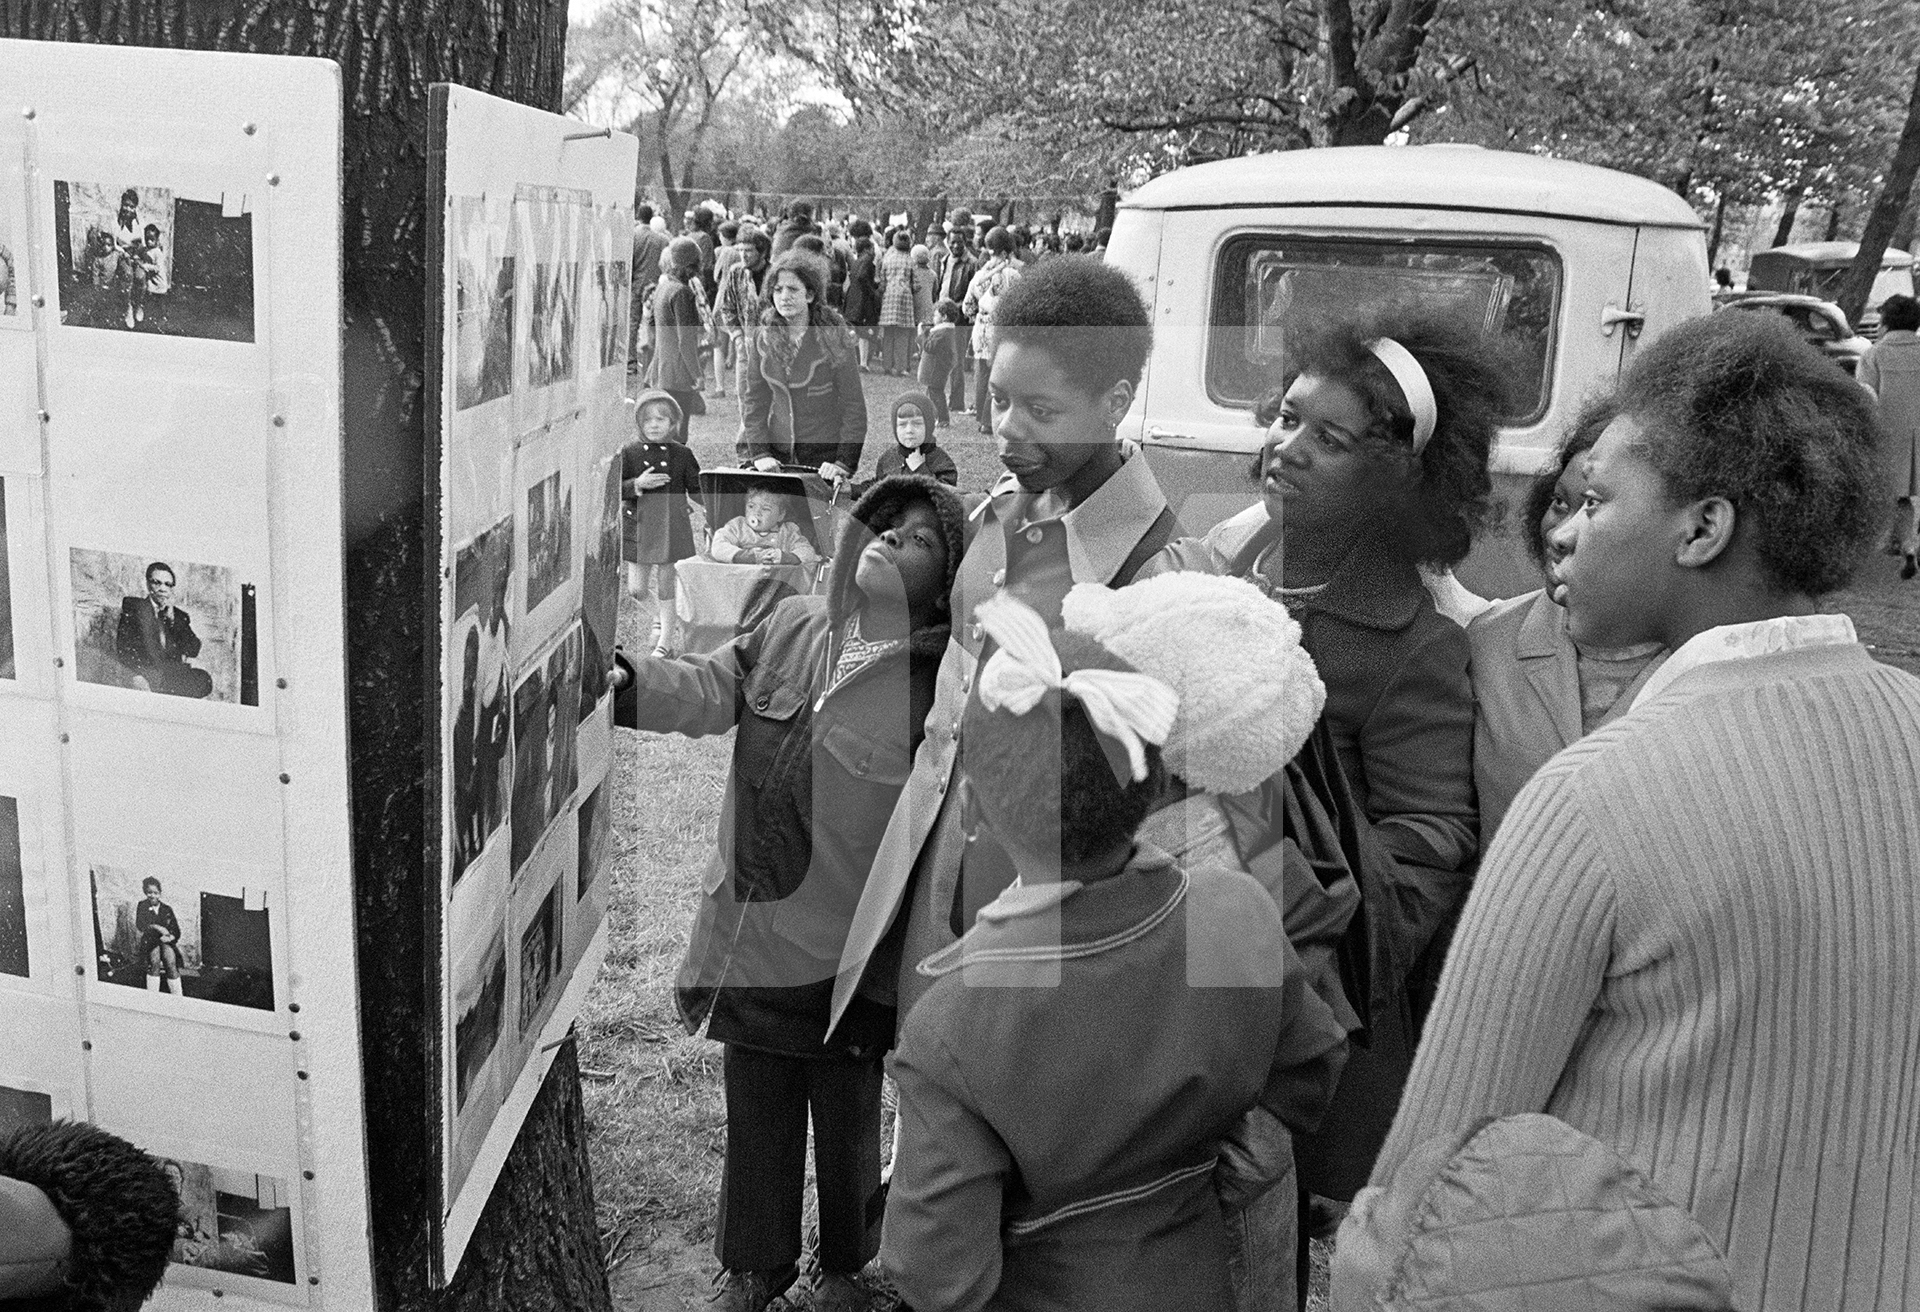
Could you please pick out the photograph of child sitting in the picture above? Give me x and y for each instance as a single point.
(764, 534)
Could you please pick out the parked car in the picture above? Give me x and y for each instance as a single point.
(1822, 323)
(1568, 265)
(1815, 268)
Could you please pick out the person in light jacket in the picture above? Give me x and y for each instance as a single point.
(1891, 371)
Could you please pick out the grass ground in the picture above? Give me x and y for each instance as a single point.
(655, 1119)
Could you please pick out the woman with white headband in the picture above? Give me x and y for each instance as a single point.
(1375, 462)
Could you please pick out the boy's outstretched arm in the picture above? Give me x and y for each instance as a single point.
(693, 695)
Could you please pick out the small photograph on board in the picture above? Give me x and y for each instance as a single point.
(23, 1107)
(13, 893)
(479, 242)
(600, 592)
(13, 269)
(540, 947)
(549, 536)
(145, 260)
(6, 592)
(479, 1002)
(232, 1221)
(185, 936)
(173, 627)
(610, 290)
(596, 839)
(553, 276)
(545, 733)
(479, 756)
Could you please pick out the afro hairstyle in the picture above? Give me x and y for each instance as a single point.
(1048, 769)
(116, 1200)
(1086, 314)
(1596, 412)
(1451, 500)
(1899, 312)
(1738, 406)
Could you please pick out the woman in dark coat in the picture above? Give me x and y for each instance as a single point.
(1376, 463)
(803, 403)
(863, 296)
(677, 367)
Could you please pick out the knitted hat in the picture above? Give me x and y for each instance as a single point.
(916, 401)
(1249, 694)
(880, 504)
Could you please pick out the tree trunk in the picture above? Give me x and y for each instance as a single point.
(1858, 284)
(1903, 231)
(1784, 232)
(1833, 222)
(1719, 230)
(537, 1245)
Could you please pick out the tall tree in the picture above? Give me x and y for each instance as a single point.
(1887, 209)
(536, 1246)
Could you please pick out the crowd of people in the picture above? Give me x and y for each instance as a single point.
(1198, 890)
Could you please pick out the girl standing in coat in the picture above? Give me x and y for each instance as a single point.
(677, 367)
(659, 482)
(863, 296)
(803, 404)
(830, 694)
(899, 306)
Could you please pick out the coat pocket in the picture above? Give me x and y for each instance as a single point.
(866, 758)
(768, 706)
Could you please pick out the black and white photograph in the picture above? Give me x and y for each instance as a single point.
(22, 1107)
(480, 748)
(172, 627)
(479, 1001)
(15, 958)
(549, 536)
(235, 1222)
(482, 240)
(610, 292)
(540, 949)
(545, 736)
(13, 270)
(552, 270)
(600, 592)
(197, 936)
(6, 590)
(144, 259)
(596, 839)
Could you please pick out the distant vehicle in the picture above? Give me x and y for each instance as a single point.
(1822, 323)
(1568, 266)
(1816, 268)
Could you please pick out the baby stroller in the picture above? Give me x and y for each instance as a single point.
(717, 601)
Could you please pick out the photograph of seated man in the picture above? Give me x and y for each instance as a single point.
(156, 640)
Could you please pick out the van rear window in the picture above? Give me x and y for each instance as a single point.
(1268, 285)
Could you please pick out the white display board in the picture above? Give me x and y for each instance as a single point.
(535, 240)
(176, 888)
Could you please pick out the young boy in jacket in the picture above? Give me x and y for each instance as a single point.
(1068, 1080)
(830, 694)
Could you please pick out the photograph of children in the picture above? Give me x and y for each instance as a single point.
(479, 998)
(232, 1221)
(479, 241)
(6, 594)
(549, 536)
(596, 839)
(172, 627)
(540, 946)
(207, 939)
(610, 288)
(600, 592)
(142, 259)
(13, 892)
(545, 729)
(479, 760)
(23, 1107)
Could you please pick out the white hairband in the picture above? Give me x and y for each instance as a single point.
(1124, 706)
(1414, 386)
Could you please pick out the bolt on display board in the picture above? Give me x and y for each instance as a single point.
(176, 896)
(533, 248)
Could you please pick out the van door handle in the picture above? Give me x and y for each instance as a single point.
(1159, 434)
(1613, 314)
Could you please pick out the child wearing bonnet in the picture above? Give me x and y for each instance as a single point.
(1070, 1080)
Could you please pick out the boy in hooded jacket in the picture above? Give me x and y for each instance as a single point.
(830, 694)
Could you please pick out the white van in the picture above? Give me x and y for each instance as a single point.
(1569, 265)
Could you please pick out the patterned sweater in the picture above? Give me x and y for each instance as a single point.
(1697, 938)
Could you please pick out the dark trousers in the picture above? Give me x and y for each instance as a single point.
(982, 415)
(768, 1096)
(957, 381)
(933, 377)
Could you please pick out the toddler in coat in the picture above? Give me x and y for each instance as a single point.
(913, 451)
(763, 535)
(659, 482)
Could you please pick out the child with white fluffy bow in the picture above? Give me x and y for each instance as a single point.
(1068, 1080)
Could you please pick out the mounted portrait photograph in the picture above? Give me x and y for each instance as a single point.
(549, 536)
(545, 739)
(6, 593)
(479, 761)
(198, 936)
(540, 948)
(13, 270)
(14, 958)
(483, 262)
(552, 274)
(142, 259)
(600, 592)
(177, 628)
(479, 1000)
(234, 1222)
(612, 301)
(596, 839)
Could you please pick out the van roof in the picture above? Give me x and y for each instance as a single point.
(1441, 176)
(1833, 252)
